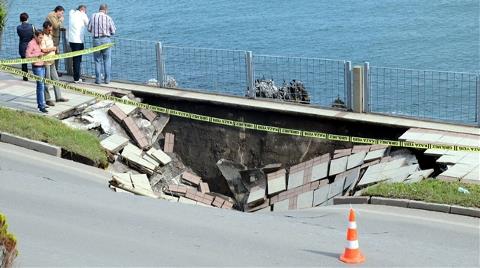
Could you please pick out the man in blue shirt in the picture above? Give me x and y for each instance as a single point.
(25, 33)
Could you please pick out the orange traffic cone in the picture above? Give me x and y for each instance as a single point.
(352, 252)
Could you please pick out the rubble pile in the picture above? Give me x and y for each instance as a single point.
(133, 138)
(317, 181)
(294, 91)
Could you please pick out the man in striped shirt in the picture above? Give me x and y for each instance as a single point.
(102, 28)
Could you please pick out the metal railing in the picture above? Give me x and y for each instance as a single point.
(426, 94)
(432, 95)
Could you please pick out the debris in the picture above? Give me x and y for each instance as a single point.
(114, 143)
(149, 115)
(191, 178)
(463, 190)
(159, 155)
(135, 133)
(117, 113)
(169, 141)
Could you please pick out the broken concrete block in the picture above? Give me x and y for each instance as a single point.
(133, 157)
(342, 153)
(419, 175)
(117, 114)
(351, 179)
(173, 189)
(356, 160)
(123, 178)
(320, 167)
(141, 181)
(159, 155)
(191, 178)
(373, 155)
(114, 143)
(218, 202)
(135, 133)
(227, 205)
(360, 148)
(336, 187)
(276, 182)
(204, 187)
(125, 108)
(231, 172)
(338, 165)
(399, 174)
(270, 168)
(149, 115)
(295, 177)
(151, 160)
(281, 206)
(169, 142)
(320, 195)
(257, 194)
(305, 200)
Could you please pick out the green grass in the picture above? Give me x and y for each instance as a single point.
(52, 131)
(430, 190)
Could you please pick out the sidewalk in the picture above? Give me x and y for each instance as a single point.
(18, 94)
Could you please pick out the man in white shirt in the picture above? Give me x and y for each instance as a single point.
(78, 21)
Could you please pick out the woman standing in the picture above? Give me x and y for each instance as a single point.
(38, 68)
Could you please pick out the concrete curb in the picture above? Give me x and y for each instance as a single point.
(31, 144)
(406, 203)
(339, 200)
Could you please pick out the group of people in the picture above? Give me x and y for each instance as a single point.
(34, 43)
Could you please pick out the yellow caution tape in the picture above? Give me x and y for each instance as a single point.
(240, 124)
(57, 56)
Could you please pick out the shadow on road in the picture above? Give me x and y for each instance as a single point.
(324, 253)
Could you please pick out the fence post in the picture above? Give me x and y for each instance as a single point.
(250, 75)
(366, 88)
(478, 99)
(358, 90)
(160, 65)
(66, 48)
(348, 83)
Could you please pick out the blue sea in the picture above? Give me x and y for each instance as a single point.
(422, 34)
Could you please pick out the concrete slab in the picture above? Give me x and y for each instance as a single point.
(320, 167)
(281, 206)
(31, 144)
(295, 179)
(351, 178)
(140, 181)
(169, 143)
(473, 176)
(305, 200)
(356, 159)
(399, 174)
(338, 165)
(114, 143)
(419, 175)
(125, 108)
(320, 195)
(123, 178)
(191, 178)
(450, 158)
(276, 182)
(470, 158)
(458, 171)
(159, 155)
(151, 160)
(377, 154)
(256, 195)
(336, 187)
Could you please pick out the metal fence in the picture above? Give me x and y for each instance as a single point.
(435, 95)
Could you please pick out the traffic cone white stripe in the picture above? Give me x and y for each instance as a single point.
(352, 244)
(352, 225)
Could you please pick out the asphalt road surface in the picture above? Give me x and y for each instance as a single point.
(63, 214)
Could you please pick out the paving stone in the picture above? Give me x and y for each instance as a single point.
(372, 175)
(295, 179)
(141, 181)
(400, 174)
(342, 153)
(372, 155)
(276, 182)
(169, 142)
(159, 155)
(336, 187)
(458, 171)
(281, 206)
(351, 179)
(338, 166)
(117, 113)
(450, 159)
(132, 149)
(292, 204)
(184, 200)
(470, 158)
(133, 157)
(256, 194)
(125, 108)
(149, 115)
(114, 143)
(355, 160)
(227, 205)
(204, 188)
(270, 168)
(360, 148)
(305, 200)
(411, 134)
(473, 176)
(123, 178)
(320, 195)
(419, 175)
(191, 178)
(320, 167)
(135, 132)
(394, 164)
